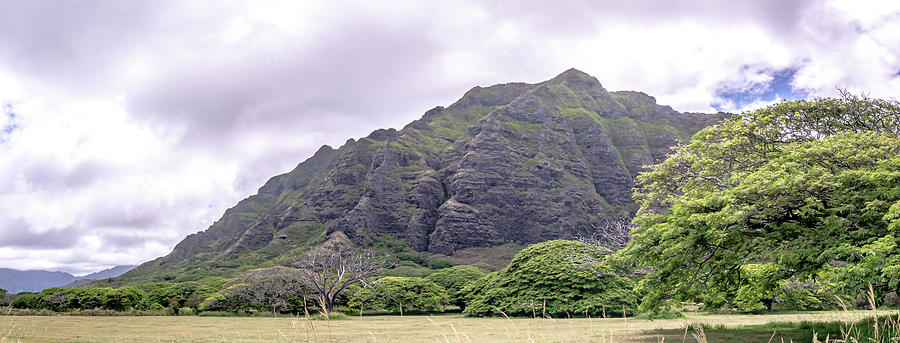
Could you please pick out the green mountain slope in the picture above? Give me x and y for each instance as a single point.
(510, 164)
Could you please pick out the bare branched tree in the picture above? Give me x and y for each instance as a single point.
(607, 238)
(329, 270)
(270, 287)
(273, 287)
(610, 236)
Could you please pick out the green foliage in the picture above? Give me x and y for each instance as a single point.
(541, 279)
(156, 296)
(26, 300)
(407, 271)
(454, 279)
(88, 297)
(519, 126)
(402, 294)
(439, 263)
(800, 185)
(758, 287)
(411, 257)
(171, 295)
(84, 298)
(124, 298)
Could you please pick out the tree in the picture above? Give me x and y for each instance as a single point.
(801, 185)
(403, 294)
(454, 279)
(274, 288)
(124, 298)
(330, 269)
(3, 292)
(542, 280)
(171, 295)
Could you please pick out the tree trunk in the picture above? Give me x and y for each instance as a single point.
(768, 302)
(329, 304)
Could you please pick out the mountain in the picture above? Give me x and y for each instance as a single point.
(506, 165)
(107, 273)
(16, 281)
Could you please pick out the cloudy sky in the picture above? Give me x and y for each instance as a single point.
(126, 125)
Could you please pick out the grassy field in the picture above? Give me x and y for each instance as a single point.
(442, 328)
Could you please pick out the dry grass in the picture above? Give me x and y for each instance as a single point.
(444, 328)
(871, 328)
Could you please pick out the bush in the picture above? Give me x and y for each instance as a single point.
(402, 294)
(26, 301)
(454, 279)
(88, 298)
(173, 295)
(407, 271)
(124, 298)
(542, 280)
(411, 257)
(440, 263)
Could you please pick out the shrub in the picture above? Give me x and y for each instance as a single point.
(411, 257)
(440, 263)
(26, 301)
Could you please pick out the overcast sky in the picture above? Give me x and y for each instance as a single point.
(126, 125)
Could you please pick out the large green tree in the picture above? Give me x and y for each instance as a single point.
(454, 279)
(543, 280)
(804, 187)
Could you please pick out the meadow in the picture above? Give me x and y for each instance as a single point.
(436, 328)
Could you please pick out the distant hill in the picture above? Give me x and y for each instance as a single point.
(506, 165)
(107, 273)
(16, 281)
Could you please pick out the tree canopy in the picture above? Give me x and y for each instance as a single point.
(805, 188)
(399, 294)
(454, 279)
(543, 280)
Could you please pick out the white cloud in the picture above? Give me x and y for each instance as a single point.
(137, 123)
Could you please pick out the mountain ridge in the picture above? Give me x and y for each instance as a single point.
(15, 281)
(512, 163)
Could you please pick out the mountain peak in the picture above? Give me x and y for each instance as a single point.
(573, 75)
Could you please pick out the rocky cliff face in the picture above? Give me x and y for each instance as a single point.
(511, 163)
